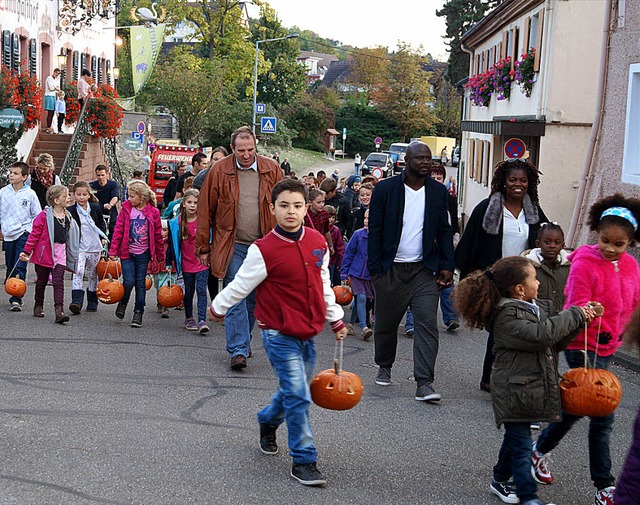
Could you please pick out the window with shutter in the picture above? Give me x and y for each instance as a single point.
(83, 61)
(108, 71)
(6, 48)
(472, 152)
(94, 68)
(536, 61)
(15, 51)
(76, 65)
(33, 57)
(526, 35)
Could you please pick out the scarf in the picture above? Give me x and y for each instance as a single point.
(493, 215)
(87, 213)
(44, 176)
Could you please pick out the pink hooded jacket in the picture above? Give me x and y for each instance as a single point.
(120, 239)
(594, 278)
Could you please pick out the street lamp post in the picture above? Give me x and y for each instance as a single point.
(255, 73)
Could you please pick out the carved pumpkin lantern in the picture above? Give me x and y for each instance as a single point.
(110, 291)
(336, 389)
(148, 282)
(170, 296)
(107, 267)
(15, 286)
(343, 295)
(590, 392)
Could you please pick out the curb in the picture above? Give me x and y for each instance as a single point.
(627, 360)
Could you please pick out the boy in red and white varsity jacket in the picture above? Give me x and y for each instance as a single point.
(289, 270)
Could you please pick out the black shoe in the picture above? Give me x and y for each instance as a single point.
(383, 377)
(453, 325)
(426, 393)
(268, 443)
(136, 321)
(308, 474)
(120, 310)
(238, 362)
(504, 490)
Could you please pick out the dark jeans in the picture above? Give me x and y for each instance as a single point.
(12, 250)
(599, 430)
(60, 121)
(195, 283)
(514, 460)
(212, 285)
(57, 279)
(407, 285)
(134, 273)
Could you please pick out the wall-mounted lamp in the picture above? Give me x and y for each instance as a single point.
(62, 58)
(115, 71)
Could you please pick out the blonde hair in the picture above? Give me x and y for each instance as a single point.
(85, 185)
(141, 189)
(56, 191)
(45, 159)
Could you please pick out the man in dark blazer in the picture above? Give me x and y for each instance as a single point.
(410, 259)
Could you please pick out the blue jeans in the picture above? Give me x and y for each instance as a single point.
(599, 429)
(12, 250)
(239, 320)
(359, 310)
(446, 305)
(195, 283)
(514, 460)
(293, 361)
(357, 169)
(134, 273)
(408, 321)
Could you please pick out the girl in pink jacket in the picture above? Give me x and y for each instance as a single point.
(605, 273)
(53, 247)
(137, 239)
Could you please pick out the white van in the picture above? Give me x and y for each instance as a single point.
(398, 151)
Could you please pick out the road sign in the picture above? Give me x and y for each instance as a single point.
(141, 127)
(9, 117)
(344, 133)
(261, 108)
(378, 141)
(133, 145)
(268, 124)
(377, 172)
(138, 137)
(514, 148)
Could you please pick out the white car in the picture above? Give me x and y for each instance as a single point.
(382, 161)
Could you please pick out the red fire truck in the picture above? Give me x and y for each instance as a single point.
(163, 165)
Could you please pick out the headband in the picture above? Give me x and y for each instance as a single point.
(622, 212)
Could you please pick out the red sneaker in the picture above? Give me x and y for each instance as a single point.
(540, 467)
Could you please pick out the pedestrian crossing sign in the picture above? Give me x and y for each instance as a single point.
(268, 124)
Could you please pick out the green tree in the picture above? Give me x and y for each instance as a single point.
(309, 117)
(364, 123)
(190, 87)
(405, 96)
(461, 15)
(283, 77)
(369, 66)
(447, 106)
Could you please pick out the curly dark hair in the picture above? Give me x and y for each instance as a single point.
(478, 294)
(504, 168)
(549, 227)
(597, 222)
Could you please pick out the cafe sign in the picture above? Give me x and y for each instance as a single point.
(11, 117)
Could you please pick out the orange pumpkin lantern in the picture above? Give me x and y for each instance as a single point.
(343, 295)
(590, 392)
(334, 388)
(108, 267)
(170, 296)
(15, 286)
(148, 282)
(110, 291)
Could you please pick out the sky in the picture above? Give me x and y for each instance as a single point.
(369, 23)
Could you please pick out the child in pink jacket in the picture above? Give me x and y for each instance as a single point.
(137, 239)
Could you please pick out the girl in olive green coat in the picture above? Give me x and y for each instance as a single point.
(524, 378)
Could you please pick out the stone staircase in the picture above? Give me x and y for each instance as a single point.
(57, 146)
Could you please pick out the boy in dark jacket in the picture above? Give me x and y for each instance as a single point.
(288, 268)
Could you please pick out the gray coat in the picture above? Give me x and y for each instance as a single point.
(73, 239)
(524, 378)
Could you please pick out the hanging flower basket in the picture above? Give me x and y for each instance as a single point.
(103, 114)
(21, 91)
(525, 74)
(480, 88)
(501, 78)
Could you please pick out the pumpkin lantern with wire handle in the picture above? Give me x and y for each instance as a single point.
(336, 389)
(15, 286)
(107, 267)
(588, 391)
(110, 291)
(148, 282)
(343, 295)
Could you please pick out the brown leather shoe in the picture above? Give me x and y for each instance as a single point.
(238, 362)
(37, 310)
(61, 317)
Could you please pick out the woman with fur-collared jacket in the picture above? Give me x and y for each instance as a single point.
(505, 224)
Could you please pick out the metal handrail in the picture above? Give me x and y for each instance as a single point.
(75, 146)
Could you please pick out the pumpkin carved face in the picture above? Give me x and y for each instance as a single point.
(334, 391)
(15, 287)
(590, 392)
(110, 291)
(108, 267)
(343, 295)
(170, 296)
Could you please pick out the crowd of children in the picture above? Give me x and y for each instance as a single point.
(536, 305)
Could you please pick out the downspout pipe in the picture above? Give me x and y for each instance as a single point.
(578, 210)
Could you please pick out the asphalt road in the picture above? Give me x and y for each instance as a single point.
(97, 412)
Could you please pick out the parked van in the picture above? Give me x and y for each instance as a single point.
(398, 151)
(163, 165)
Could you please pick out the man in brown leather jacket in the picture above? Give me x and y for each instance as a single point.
(233, 212)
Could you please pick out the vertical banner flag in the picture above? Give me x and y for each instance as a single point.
(145, 47)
